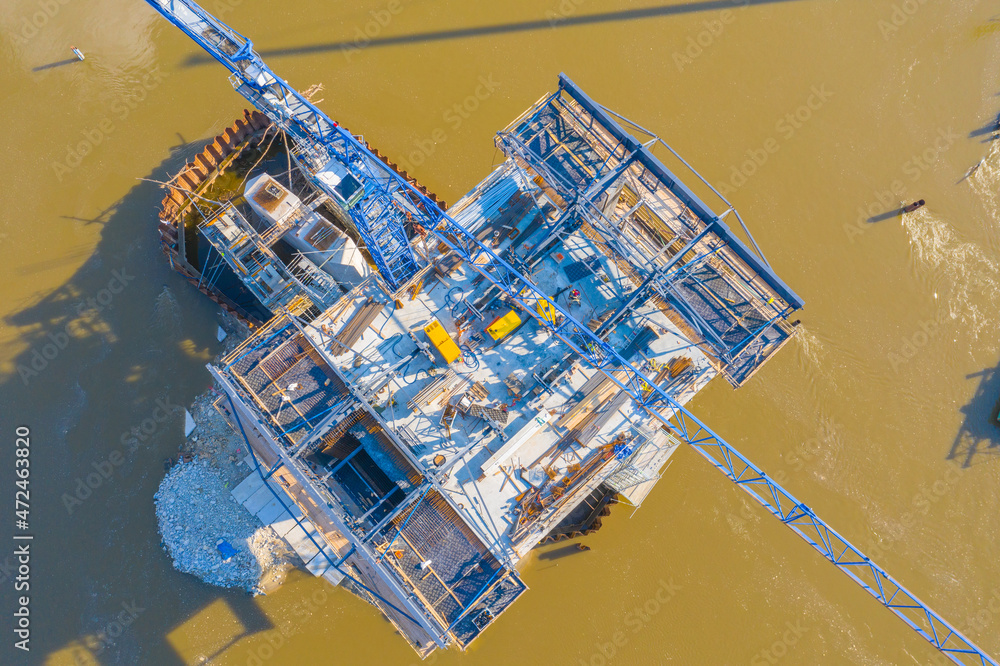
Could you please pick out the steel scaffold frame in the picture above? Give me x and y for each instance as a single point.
(600, 355)
(379, 216)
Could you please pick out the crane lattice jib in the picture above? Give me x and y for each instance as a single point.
(379, 216)
(314, 126)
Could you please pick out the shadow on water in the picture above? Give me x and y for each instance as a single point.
(96, 364)
(980, 432)
(101, 217)
(908, 208)
(886, 216)
(53, 65)
(564, 551)
(989, 128)
(556, 21)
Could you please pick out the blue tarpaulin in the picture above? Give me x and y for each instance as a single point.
(225, 549)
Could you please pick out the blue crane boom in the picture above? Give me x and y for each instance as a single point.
(390, 201)
(339, 162)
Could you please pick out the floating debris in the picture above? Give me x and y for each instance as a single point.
(189, 424)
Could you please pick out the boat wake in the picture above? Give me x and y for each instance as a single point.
(962, 270)
(985, 183)
(811, 350)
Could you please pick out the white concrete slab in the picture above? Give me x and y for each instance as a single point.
(270, 511)
(319, 565)
(247, 487)
(301, 543)
(283, 524)
(333, 576)
(259, 499)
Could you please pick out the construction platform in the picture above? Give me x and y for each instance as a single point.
(434, 425)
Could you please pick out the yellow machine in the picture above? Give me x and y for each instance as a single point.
(439, 337)
(502, 326)
(546, 310)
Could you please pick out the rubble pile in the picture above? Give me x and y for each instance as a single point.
(215, 442)
(195, 509)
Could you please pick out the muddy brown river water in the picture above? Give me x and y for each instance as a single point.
(816, 116)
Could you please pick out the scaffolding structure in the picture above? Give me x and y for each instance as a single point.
(580, 201)
(273, 282)
(609, 183)
(396, 520)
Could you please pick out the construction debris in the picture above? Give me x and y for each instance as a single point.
(195, 509)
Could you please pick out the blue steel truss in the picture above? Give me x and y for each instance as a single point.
(687, 427)
(582, 152)
(380, 215)
(603, 357)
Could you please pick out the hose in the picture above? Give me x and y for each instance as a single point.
(387, 318)
(398, 336)
(447, 297)
(468, 356)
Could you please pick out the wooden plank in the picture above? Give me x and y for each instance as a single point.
(590, 402)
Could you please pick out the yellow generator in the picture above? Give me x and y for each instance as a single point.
(445, 346)
(502, 326)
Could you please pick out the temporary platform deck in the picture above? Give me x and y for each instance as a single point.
(678, 254)
(440, 425)
(504, 360)
(444, 427)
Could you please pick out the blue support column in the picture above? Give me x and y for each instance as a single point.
(345, 461)
(274, 469)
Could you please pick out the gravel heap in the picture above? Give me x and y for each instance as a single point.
(195, 509)
(215, 442)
